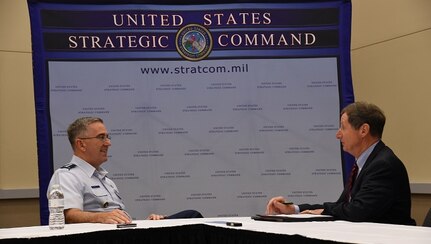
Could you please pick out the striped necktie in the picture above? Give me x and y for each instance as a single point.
(352, 179)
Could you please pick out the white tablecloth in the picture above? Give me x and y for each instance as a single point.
(340, 231)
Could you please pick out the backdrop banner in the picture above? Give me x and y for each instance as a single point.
(213, 107)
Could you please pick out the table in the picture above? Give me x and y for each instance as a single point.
(215, 230)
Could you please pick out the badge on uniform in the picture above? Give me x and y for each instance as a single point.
(69, 166)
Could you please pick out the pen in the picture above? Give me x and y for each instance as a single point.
(287, 203)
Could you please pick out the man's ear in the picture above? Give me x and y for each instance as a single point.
(80, 145)
(364, 129)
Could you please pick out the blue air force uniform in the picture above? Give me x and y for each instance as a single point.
(86, 188)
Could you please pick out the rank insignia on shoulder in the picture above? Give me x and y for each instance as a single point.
(69, 166)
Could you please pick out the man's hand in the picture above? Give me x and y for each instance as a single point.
(314, 211)
(116, 216)
(276, 206)
(156, 217)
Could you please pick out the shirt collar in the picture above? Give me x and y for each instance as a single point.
(88, 168)
(360, 161)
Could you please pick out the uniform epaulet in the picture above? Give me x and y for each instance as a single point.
(69, 166)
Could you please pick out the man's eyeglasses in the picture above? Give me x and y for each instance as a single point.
(101, 137)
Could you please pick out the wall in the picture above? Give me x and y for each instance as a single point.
(18, 157)
(391, 54)
(390, 63)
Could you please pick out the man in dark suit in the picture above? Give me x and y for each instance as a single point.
(380, 191)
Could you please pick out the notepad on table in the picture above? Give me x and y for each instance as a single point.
(293, 217)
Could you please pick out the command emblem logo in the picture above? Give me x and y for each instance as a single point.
(194, 42)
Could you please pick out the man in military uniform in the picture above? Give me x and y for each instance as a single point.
(90, 196)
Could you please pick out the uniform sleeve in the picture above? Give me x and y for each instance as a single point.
(72, 188)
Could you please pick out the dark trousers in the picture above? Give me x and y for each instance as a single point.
(185, 214)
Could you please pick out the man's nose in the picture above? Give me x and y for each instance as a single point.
(338, 134)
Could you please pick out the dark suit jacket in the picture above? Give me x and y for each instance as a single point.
(381, 193)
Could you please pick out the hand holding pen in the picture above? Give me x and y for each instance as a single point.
(279, 205)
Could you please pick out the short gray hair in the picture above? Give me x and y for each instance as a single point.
(79, 126)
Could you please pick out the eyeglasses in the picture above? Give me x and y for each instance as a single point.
(101, 137)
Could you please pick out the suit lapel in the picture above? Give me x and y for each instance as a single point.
(380, 145)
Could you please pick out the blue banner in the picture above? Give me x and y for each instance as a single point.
(215, 107)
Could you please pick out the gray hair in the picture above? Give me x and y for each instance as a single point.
(79, 126)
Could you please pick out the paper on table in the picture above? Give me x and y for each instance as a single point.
(302, 215)
(293, 217)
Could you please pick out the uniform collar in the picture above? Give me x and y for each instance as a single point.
(88, 169)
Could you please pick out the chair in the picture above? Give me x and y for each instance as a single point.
(427, 220)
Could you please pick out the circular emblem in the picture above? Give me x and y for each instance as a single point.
(194, 42)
